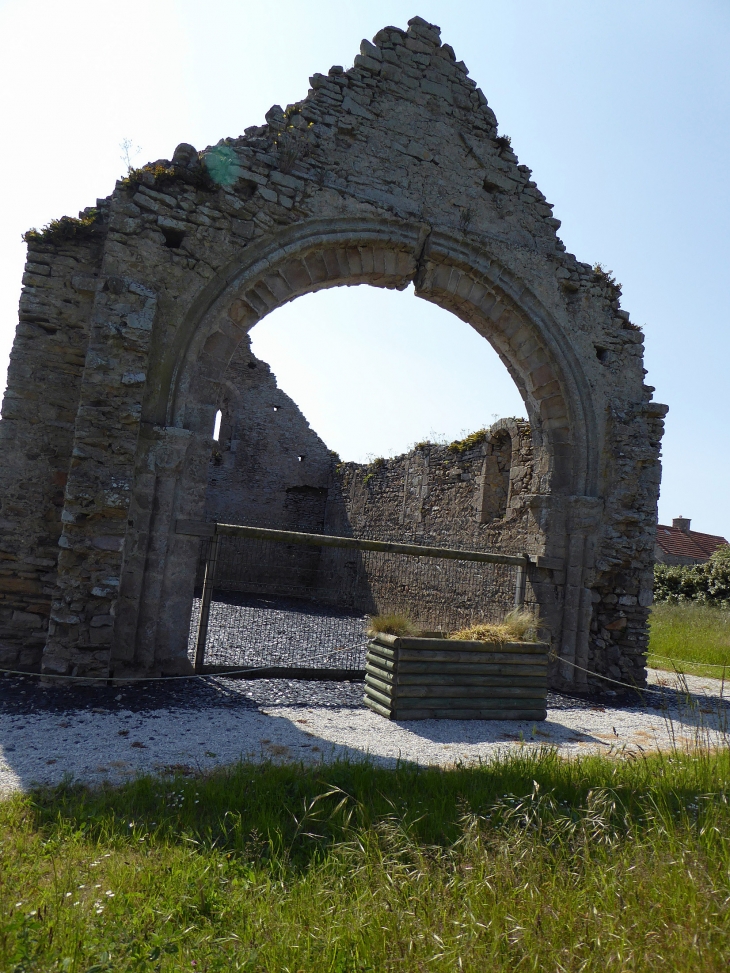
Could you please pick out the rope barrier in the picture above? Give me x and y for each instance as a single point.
(637, 689)
(125, 679)
(242, 672)
(687, 662)
(554, 657)
(191, 675)
(203, 675)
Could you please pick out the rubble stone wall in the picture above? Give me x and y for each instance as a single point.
(389, 173)
(37, 433)
(473, 495)
(269, 468)
(469, 494)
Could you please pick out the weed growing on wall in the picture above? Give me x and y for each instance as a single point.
(157, 176)
(605, 276)
(469, 442)
(65, 228)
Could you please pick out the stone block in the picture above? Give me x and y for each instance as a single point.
(243, 228)
(28, 620)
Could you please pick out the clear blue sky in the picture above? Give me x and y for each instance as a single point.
(621, 108)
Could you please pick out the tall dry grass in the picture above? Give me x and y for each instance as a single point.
(531, 863)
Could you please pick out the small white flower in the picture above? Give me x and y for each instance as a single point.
(109, 893)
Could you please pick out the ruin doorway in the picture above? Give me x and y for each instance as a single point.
(321, 256)
(300, 607)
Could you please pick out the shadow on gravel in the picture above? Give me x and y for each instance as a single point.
(111, 733)
(26, 695)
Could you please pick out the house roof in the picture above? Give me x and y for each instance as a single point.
(689, 543)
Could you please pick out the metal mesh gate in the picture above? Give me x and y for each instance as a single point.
(282, 603)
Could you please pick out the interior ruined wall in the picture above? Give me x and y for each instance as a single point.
(439, 494)
(37, 431)
(475, 494)
(268, 468)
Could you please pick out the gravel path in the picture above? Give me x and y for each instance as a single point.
(108, 734)
(256, 630)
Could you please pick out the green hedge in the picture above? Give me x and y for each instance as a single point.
(707, 584)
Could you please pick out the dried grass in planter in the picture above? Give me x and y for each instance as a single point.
(519, 625)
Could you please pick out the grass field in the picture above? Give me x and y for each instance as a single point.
(696, 635)
(533, 863)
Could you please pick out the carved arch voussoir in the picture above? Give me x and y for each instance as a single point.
(459, 277)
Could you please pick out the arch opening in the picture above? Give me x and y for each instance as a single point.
(376, 371)
(271, 469)
(455, 275)
(217, 425)
(368, 382)
(187, 389)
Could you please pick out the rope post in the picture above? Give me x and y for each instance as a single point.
(521, 584)
(210, 571)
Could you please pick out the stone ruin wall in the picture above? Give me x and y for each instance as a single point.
(268, 468)
(469, 494)
(472, 494)
(390, 173)
(37, 431)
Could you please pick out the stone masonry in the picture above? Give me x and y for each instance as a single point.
(474, 494)
(268, 469)
(133, 325)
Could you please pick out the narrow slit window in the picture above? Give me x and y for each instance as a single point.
(217, 425)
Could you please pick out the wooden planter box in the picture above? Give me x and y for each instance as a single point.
(446, 679)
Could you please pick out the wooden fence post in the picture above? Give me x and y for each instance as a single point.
(521, 584)
(211, 565)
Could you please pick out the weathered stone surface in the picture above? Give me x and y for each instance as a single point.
(388, 174)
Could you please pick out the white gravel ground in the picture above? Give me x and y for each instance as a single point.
(95, 745)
